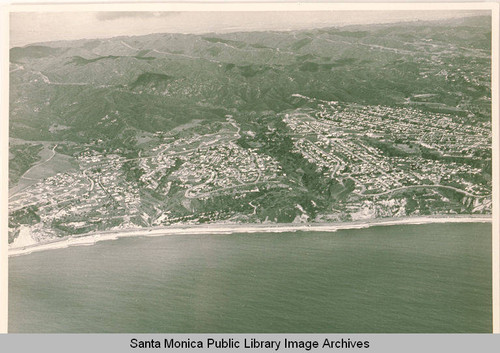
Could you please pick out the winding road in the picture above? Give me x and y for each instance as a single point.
(427, 187)
(31, 168)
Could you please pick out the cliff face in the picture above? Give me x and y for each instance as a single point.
(326, 124)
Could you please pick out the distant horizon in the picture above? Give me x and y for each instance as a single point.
(29, 28)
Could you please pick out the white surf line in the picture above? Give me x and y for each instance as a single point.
(227, 229)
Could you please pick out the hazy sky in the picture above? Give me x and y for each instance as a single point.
(34, 27)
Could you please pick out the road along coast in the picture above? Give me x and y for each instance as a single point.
(230, 228)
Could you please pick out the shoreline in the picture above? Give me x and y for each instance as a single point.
(232, 228)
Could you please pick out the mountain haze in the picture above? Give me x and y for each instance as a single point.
(328, 124)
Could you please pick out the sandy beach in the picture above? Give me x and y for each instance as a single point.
(228, 228)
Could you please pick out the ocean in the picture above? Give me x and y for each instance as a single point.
(400, 278)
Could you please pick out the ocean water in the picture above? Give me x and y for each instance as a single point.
(412, 278)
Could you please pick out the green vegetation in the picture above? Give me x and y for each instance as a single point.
(78, 60)
(22, 158)
(319, 125)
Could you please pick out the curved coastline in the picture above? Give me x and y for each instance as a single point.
(232, 228)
